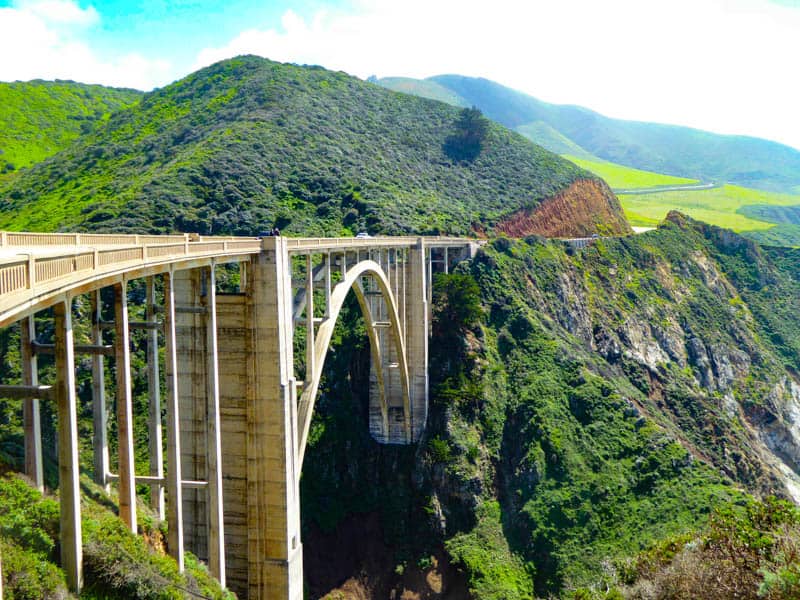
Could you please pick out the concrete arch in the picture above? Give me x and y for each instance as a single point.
(323, 338)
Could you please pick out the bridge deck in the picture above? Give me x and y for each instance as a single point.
(37, 268)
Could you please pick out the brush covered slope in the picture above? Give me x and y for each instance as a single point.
(669, 149)
(584, 405)
(40, 118)
(247, 144)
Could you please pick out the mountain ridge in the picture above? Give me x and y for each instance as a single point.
(669, 149)
(248, 143)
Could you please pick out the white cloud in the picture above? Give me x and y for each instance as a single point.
(45, 40)
(724, 65)
(60, 11)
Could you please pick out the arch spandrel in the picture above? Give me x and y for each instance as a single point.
(324, 333)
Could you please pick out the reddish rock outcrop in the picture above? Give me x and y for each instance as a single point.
(587, 206)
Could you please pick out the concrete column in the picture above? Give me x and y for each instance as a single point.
(127, 484)
(30, 407)
(309, 320)
(174, 476)
(191, 367)
(216, 524)
(417, 308)
(68, 467)
(99, 411)
(154, 393)
(273, 500)
(234, 332)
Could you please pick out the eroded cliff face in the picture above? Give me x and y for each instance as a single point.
(586, 207)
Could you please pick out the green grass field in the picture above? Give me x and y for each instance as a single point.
(619, 176)
(717, 206)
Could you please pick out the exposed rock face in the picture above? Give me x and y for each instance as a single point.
(586, 207)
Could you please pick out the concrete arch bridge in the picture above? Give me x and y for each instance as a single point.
(237, 416)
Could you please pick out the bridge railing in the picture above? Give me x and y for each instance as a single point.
(28, 270)
(28, 238)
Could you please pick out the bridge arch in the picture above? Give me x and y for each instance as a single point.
(352, 281)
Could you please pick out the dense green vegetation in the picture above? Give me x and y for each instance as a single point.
(749, 551)
(586, 406)
(678, 151)
(117, 564)
(247, 144)
(40, 118)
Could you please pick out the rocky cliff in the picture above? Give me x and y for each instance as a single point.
(609, 398)
(586, 207)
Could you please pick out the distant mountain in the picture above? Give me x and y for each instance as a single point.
(248, 143)
(668, 149)
(40, 118)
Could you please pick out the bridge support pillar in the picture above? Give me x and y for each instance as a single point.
(417, 311)
(30, 408)
(273, 476)
(68, 467)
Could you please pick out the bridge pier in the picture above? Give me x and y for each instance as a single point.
(199, 416)
(273, 475)
(68, 467)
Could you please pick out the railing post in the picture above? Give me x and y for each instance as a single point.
(127, 483)
(31, 271)
(174, 475)
(30, 407)
(216, 529)
(99, 414)
(68, 466)
(154, 392)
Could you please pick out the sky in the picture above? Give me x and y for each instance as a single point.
(728, 66)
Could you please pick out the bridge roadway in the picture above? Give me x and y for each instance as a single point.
(237, 414)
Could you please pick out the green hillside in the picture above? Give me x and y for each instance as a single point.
(423, 88)
(248, 143)
(668, 149)
(40, 118)
(620, 177)
(543, 134)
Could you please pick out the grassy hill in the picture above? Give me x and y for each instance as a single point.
(248, 143)
(620, 177)
(40, 118)
(668, 149)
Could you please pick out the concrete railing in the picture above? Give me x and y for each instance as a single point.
(53, 263)
(27, 239)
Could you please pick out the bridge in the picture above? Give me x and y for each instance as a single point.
(238, 410)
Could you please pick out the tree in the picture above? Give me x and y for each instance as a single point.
(466, 142)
